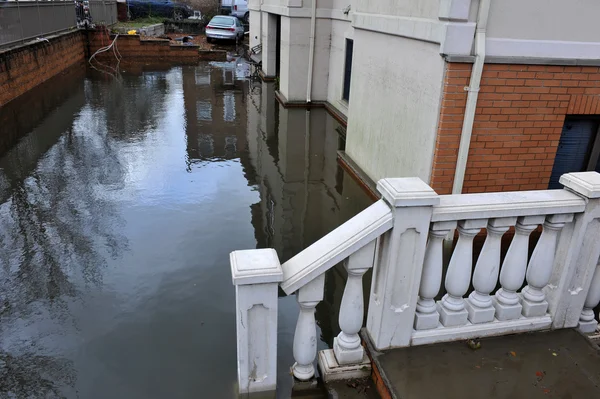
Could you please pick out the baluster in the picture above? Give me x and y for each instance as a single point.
(587, 321)
(452, 306)
(427, 316)
(506, 301)
(346, 346)
(540, 267)
(305, 337)
(479, 304)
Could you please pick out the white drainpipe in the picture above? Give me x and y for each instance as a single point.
(467, 128)
(311, 51)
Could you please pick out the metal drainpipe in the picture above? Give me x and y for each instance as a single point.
(477, 71)
(311, 51)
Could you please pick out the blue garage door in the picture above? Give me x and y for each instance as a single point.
(574, 149)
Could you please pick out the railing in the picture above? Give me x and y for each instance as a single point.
(22, 21)
(401, 237)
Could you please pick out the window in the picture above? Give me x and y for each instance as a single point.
(348, 69)
(578, 148)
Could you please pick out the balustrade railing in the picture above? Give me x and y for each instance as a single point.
(401, 237)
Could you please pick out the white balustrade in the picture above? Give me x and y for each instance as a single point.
(458, 277)
(540, 266)
(347, 346)
(587, 321)
(479, 304)
(256, 275)
(506, 300)
(427, 316)
(305, 337)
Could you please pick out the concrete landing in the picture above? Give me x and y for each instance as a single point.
(557, 364)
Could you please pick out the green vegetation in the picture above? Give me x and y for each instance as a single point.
(140, 22)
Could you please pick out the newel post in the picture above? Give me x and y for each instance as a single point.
(397, 271)
(256, 275)
(577, 253)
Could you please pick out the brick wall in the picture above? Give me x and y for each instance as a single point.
(133, 49)
(518, 123)
(25, 67)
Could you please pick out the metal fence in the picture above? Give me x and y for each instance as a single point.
(21, 21)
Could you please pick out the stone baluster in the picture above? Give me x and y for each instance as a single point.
(458, 277)
(506, 301)
(256, 275)
(540, 266)
(479, 304)
(347, 346)
(305, 337)
(427, 316)
(587, 321)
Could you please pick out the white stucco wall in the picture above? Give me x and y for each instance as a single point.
(408, 8)
(573, 20)
(295, 34)
(394, 105)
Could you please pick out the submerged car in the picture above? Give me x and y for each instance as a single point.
(225, 28)
(158, 8)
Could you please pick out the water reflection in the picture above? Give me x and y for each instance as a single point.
(118, 209)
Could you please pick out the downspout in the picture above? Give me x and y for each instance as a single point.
(311, 51)
(474, 85)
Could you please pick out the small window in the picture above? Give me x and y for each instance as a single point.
(348, 69)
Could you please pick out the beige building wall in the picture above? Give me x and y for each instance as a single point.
(407, 8)
(394, 105)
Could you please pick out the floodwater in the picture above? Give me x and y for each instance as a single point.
(120, 201)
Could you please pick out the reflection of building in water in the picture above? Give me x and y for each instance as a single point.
(215, 110)
(304, 193)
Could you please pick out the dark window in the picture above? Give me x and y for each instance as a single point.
(348, 69)
(578, 148)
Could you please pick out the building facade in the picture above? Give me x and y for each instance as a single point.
(468, 95)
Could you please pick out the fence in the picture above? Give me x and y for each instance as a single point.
(22, 21)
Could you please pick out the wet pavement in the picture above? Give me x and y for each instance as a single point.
(120, 201)
(558, 364)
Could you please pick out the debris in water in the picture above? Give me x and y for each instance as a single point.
(554, 354)
(474, 343)
(513, 353)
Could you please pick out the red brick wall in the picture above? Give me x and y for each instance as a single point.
(518, 123)
(133, 49)
(25, 67)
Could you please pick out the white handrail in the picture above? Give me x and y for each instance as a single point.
(506, 204)
(336, 246)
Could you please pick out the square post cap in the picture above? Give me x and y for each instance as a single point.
(255, 266)
(586, 184)
(407, 191)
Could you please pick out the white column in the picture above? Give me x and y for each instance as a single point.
(587, 321)
(458, 277)
(427, 316)
(397, 271)
(347, 346)
(305, 337)
(506, 301)
(540, 267)
(269, 44)
(577, 252)
(256, 275)
(479, 304)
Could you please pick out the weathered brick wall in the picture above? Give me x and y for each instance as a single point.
(518, 123)
(133, 49)
(25, 67)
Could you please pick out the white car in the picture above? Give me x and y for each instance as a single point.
(239, 9)
(224, 27)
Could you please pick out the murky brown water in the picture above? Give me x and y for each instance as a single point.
(119, 204)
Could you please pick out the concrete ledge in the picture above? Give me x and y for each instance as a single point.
(332, 371)
(366, 183)
(266, 78)
(333, 111)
